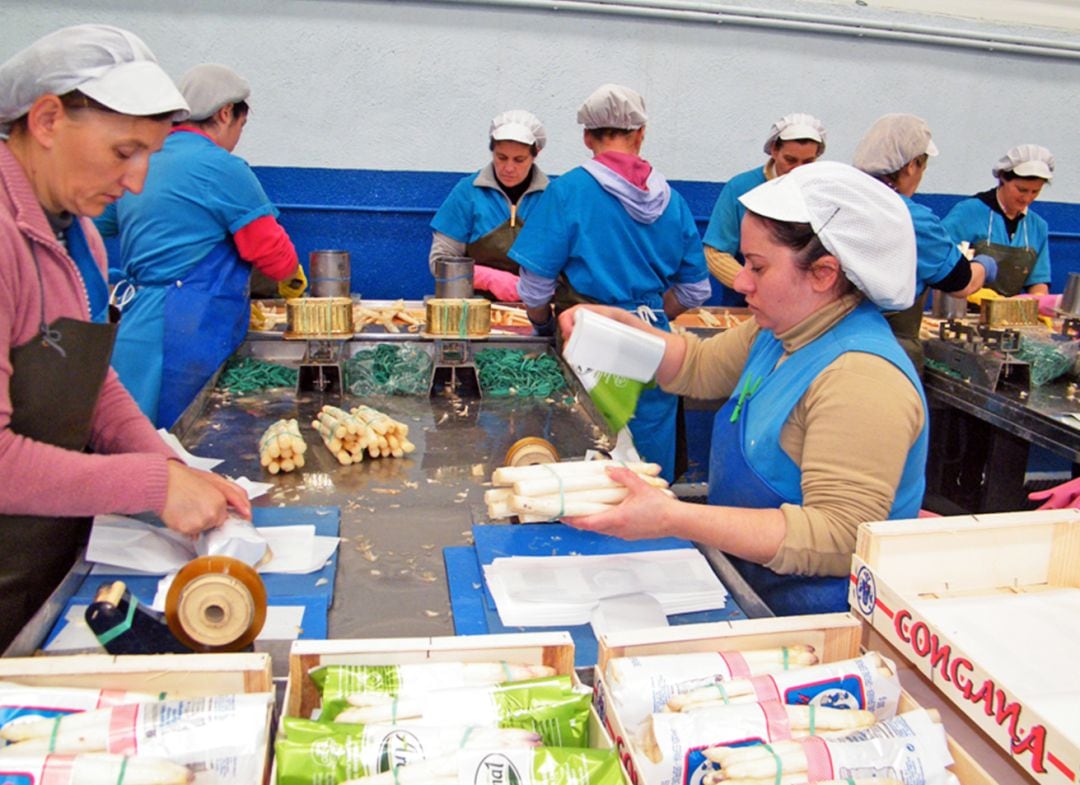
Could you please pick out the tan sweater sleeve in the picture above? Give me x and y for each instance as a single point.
(722, 265)
(851, 434)
(713, 365)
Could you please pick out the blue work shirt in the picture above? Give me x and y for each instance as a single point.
(972, 220)
(725, 223)
(937, 253)
(477, 206)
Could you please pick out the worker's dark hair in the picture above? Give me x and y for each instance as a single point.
(808, 248)
(892, 177)
(778, 143)
(608, 133)
(240, 109)
(1011, 175)
(533, 149)
(75, 100)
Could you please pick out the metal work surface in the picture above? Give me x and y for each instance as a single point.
(397, 514)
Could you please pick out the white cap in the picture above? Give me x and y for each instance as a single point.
(517, 125)
(797, 125)
(1027, 160)
(107, 64)
(209, 87)
(893, 141)
(860, 220)
(613, 106)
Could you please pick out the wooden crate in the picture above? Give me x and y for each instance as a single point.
(186, 675)
(901, 568)
(834, 636)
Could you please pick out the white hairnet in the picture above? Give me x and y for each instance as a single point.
(892, 141)
(1027, 160)
(797, 125)
(109, 65)
(862, 222)
(209, 87)
(613, 106)
(517, 125)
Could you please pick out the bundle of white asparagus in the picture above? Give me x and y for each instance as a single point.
(24, 702)
(868, 682)
(385, 315)
(673, 742)
(349, 435)
(549, 491)
(910, 747)
(281, 447)
(92, 769)
(638, 686)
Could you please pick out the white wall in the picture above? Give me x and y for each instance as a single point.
(412, 85)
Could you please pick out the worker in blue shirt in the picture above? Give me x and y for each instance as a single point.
(794, 140)
(485, 211)
(613, 231)
(188, 243)
(896, 150)
(998, 222)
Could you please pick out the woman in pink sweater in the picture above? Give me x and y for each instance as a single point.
(82, 109)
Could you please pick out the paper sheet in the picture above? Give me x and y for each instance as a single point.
(193, 461)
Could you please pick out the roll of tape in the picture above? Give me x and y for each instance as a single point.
(216, 603)
(531, 450)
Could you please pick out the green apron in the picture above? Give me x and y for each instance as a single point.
(1014, 264)
(491, 250)
(906, 324)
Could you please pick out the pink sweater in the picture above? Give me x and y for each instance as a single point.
(127, 471)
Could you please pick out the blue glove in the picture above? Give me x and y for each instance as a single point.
(989, 264)
(545, 330)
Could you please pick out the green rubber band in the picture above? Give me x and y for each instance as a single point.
(787, 664)
(393, 713)
(465, 736)
(393, 771)
(562, 496)
(723, 691)
(850, 781)
(463, 325)
(107, 637)
(53, 734)
(123, 771)
(779, 765)
(506, 670)
(813, 718)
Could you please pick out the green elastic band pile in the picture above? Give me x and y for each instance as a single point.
(248, 375)
(1048, 361)
(506, 372)
(388, 369)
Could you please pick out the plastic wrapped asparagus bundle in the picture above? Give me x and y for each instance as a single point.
(344, 685)
(24, 703)
(281, 447)
(553, 490)
(309, 751)
(537, 766)
(221, 738)
(868, 682)
(553, 707)
(911, 748)
(92, 769)
(673, 742)
(638, 686)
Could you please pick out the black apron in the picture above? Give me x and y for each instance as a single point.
(55, 384)
(905, 325)
(1014, 266)
(493, 248)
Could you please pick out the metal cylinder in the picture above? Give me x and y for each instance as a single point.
(331, 274)
(454, 277)
(1070, 300)
(945, 306)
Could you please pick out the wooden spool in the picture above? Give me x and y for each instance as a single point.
(457, 318)
(308, 318)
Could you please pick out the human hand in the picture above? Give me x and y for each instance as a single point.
(566, 318)
(196, 500)
(1048, 303)
(641, 515)
(989, 264)
(293, 286)
(499, 282)
(1060, 496)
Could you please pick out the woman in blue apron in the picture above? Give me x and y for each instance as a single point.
(999, 224)
(613, 231)
(485, 212)
(187, 245)
(825, 423)
(72, 442)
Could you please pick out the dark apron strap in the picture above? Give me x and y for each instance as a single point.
(54, 390)
(906, 324)
(491, 250)
(1014, 266)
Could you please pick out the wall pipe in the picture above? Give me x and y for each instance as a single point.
(803, 22)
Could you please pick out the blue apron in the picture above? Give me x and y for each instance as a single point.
(748, 468)
(175, 334)
(97, 290)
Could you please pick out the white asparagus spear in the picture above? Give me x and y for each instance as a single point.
(381, 708)
(554, 507)
(544, 486)
(508, 475)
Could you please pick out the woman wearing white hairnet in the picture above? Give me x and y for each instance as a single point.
(896, 150)
(484, 213)
(998, 222)
(82, 109)
(825, 423)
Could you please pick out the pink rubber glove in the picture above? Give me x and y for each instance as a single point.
(499, 282)
(1048, 303)
(1059, 497)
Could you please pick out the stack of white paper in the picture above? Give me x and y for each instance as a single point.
(544, 591)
